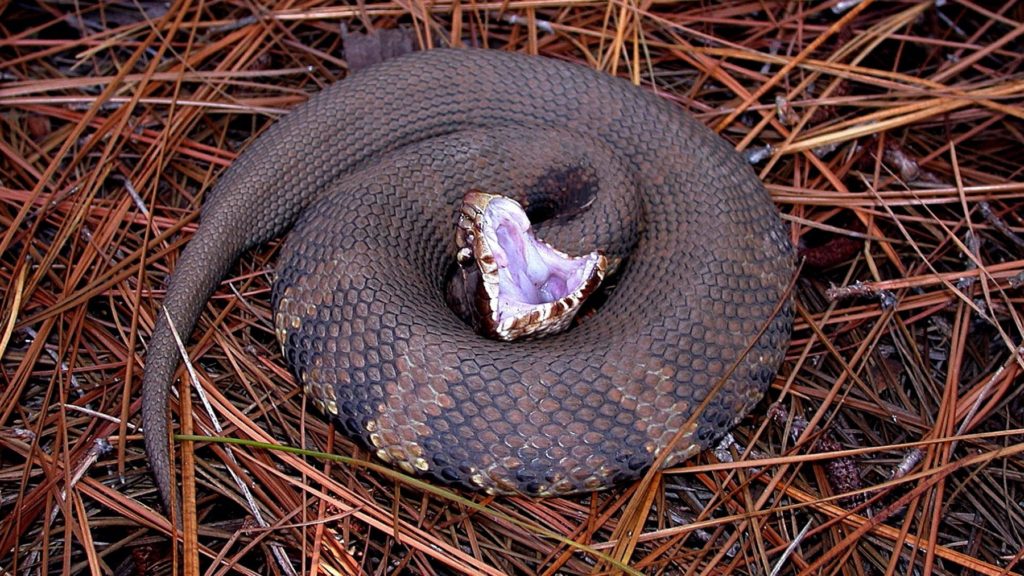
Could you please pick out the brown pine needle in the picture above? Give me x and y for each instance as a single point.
(889, 134)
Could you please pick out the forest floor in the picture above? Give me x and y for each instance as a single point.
(889, 134)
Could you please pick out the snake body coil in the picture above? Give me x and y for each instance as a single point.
(368, 175)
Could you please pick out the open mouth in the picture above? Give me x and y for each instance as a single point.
(526, 287)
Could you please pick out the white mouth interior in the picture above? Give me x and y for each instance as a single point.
(530, 273)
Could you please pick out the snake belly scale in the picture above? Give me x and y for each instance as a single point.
(366, 176)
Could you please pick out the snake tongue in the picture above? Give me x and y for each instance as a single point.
(526, 287)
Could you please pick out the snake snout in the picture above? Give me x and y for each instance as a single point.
(516, 285)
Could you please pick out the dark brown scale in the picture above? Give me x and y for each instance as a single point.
(370, 172)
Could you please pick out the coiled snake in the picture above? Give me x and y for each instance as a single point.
(368, 176)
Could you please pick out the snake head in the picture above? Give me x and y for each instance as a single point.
(517, 285)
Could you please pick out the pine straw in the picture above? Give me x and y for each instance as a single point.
(889, 443)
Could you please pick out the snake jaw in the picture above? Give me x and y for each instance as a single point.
(524, 287)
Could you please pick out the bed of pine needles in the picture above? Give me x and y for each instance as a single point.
(890, 135)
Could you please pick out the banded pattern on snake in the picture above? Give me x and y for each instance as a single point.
(367, 176)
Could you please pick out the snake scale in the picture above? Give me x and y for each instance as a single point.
(367, 176)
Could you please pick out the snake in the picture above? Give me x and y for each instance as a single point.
(367, 182)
